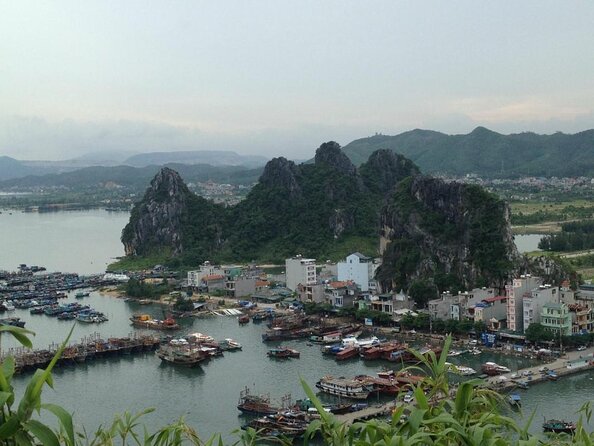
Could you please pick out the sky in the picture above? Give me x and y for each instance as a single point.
(278, 78)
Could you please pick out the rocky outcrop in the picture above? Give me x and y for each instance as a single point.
(450, 234)
(385, 169)
(331, 155)
(156, 222)
(282, 173)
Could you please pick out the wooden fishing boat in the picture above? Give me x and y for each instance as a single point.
(283, 352)
(255, 404)
(348, 388)
(559, 426)
(146, 321)
(347, 353)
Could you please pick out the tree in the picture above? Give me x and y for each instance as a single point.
(422, 291)
(537, 333)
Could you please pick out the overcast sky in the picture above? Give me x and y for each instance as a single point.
(280, 77)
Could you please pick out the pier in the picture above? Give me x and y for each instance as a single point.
(569, 364)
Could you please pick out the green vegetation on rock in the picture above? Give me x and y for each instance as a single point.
(327, 210)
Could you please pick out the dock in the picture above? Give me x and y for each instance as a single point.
(569, 364)
(375, 411)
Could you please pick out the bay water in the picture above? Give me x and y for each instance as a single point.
(205, 396)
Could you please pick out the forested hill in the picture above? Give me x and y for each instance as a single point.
(486, 153)
(325, 209)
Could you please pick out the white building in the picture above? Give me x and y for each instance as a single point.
(358, 268)
(515, 292)
(206, 269)
(300, 270)
(534, 302)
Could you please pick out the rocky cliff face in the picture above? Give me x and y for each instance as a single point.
(283, 174)
(155, 222)
(451, 235)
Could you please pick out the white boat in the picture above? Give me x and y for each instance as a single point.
(9, 306)
(492, 368)
(352, 341)
(461, 369)
(347, 388)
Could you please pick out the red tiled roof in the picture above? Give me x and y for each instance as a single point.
(494, 298)
(214, 277)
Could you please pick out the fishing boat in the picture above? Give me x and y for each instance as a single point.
(306, 405)
(348, 388)
(346, 353)
(380, 385)
(327, 338)
(243, 319)
(82, 294)
(559, 426)
(255, 404)
(352, 341)
(514, 400)
(461, 369)
(282, 424)
(229, 344)
(180, 353)
(492, 369)
(551, 375)
(14, 321)
(283, 352)
(146, 321)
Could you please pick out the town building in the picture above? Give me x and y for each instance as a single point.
(383, 303)
(195, 277)
(341, 294)
(581, 318)
(533, 303)
(241, 286)
(358, 268)
(556, 318)
(515, 293)
(313, 293)
(492, 311)
(300, 270)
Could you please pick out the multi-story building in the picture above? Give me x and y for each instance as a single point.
(341, 294)
(534, 302)
(581, 318)
(358, 268)
(492, 311)
(383, 303)
(311, 293)
(300, 270)
(441, 309)
(195, 278)
(556, 318)
(515, 293)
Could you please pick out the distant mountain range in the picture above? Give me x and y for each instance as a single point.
(212, 157)
(11, 168)
(486, 153)
(135, 177)
(482, 151)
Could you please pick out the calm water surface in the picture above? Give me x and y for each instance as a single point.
(206, 396)
(527, 242)
(84, 242)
